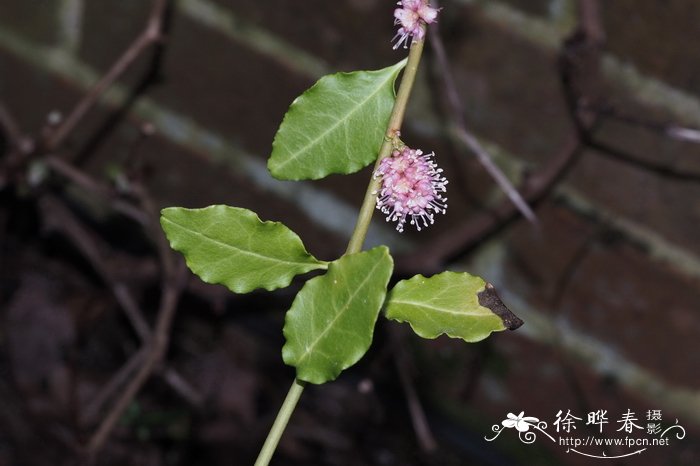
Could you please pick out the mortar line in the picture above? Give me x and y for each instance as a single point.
(185, 132)
(683, 105)
(600, 356)
(311, 200)
(70, 20)
(657, 247)
(226, 22)
(540, 32)
(604, 359)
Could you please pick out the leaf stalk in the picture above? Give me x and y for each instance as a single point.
(393, 130)
(358, 236)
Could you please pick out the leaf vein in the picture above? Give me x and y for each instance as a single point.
(310, 348)
(293, 156)
(244, 251)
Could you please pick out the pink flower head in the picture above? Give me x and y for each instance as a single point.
(412, 16)
(411, 187)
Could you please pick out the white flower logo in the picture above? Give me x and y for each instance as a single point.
(520, 422)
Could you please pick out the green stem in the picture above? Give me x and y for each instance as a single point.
(397, 113)
(358, 235)
(281, 421)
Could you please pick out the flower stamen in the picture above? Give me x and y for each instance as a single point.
(412, 16)
(411, 188)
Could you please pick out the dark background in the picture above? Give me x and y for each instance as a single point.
(584, 112)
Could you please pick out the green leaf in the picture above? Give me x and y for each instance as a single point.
(233, 247)
(336, 126)
(330, 324)
(456, 304)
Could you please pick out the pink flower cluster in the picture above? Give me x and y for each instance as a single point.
(412, 16)
(411, 187)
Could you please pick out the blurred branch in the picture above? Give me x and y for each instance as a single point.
(462, 237)
(155, 352)
(182, 387)
(579, 60)
(58, 217)
(590, 22)
(459, 125)
(173, 283)
(673, 131)
(152, 33)
(18, 145)
(148, 359)
(660, 169)
(9, 127)
(89, 184)
(590, 39)
(425, 437)
(173, 378)
(117, 381)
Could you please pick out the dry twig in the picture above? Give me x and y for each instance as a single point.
(459, 126)
(579, 53)
(89, 184)
(152, 33)
(60, 218)
(173, 283)
(425, 437)
(9, 127)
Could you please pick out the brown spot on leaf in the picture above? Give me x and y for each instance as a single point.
(490, 300)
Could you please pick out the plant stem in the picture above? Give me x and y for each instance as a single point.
(397, 113)
(281, 421)
(358, 235)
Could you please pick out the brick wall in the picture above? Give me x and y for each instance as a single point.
(607, 285)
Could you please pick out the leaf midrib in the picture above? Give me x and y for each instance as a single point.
(315, 262)
(310, 349)
(439, 309)
(295, 155)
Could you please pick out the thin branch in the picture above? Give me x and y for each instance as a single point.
(172, 286)
(9, 127)
(660, 169)
(671, 130)
(425, 437)
(181, 386)
(459, 126)
(572, 266)
(116, 382)
(151, 34)
(132, 310)
(683, 134)
(156, 349)
(92, 186)
(155, 342)
(173, 378)
(464, 236)
(590, 22)
(60, 218)
(581, 49)
(18, 145)
(590, 40)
